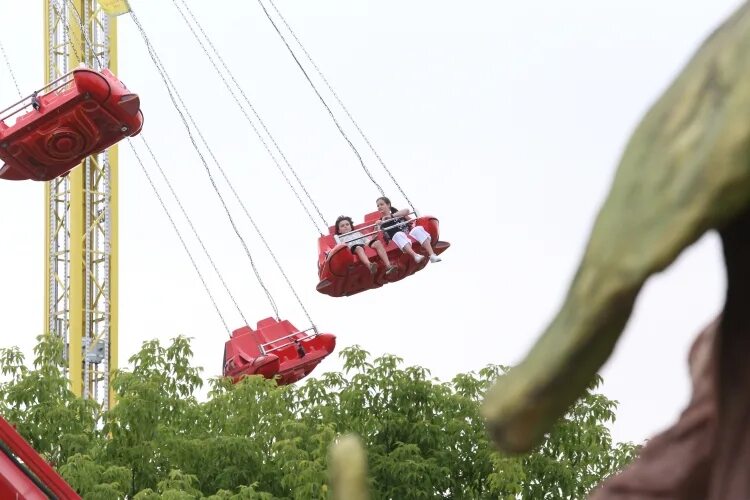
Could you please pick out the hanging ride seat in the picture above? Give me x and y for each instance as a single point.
(81, 113)
(275, 349)
(342, 274)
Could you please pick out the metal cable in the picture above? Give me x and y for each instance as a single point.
(333, 117)
(66, 30)
(179, 235)
(10, 70)
(168, 81)
(86, 40)
(162, 74)
(169, 184)
(346, 110)
(244, 112)
(237, 196)
(192, 227)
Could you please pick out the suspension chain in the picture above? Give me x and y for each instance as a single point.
(192, 227)
(238, 198)
(172, 92)
(66, 30)
(10, 70)
(333, 117)
(169, 184)
(170, 86)
(252, 108)
(179, 235)
(346, 110)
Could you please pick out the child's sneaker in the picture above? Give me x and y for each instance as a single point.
(373, 268)
(418, 258)
(391, 270)
(435, 258)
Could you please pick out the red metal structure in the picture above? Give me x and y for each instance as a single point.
(275, 349)
(82, 113)
(342, 274)
(24, 475)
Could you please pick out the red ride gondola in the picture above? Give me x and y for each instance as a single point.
(81, 113)
(275, 349)
(342, 274)
(26, 474)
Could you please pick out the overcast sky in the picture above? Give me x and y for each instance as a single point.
(505, 120)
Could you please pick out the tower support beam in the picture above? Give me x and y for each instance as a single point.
(81, 218)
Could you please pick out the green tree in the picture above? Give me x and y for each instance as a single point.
(424, 438)
(93, 481)
(37, 400)
(155, 403)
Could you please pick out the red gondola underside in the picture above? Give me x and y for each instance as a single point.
(288, 354)
(83, 117)
(342, 274)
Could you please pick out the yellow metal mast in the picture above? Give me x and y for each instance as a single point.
(81, 255)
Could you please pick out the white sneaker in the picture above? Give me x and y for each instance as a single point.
(418, 258)
(435, 258)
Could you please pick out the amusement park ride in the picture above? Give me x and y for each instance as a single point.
(66, 134)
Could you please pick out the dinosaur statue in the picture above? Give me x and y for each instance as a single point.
(685, 171)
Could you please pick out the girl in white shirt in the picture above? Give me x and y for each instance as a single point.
(356, 242)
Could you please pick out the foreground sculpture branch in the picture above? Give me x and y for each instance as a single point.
(348, 469)
(685, 171)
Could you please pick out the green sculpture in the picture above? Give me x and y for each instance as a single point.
(348, 469)
(685, 171)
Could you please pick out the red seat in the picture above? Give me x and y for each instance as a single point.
(342, 274)
(86, 113)
(275, 349)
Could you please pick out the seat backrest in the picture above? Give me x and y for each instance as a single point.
(243, 341)
(372, 217)
(327, 242)
(270, 330)
(275, 332)
(241, 330)
(369, 219)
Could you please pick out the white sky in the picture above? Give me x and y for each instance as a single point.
(505, 120)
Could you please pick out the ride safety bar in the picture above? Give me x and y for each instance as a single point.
(19, 106)
(265, 351)
(338, 237)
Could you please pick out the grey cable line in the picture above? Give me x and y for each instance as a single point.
(238, 197)
(10, 70)
(169, 184)
(179, 235)
(325, 105)
(162, 73)
(346, 110)
(192, 227)
(66, 30)
(252, 108)
(170, 86)
(86, 41)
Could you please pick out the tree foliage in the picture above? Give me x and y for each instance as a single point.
(253, 440)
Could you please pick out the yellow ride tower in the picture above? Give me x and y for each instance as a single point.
(81, 255)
